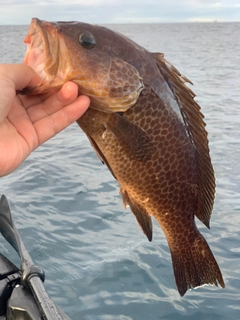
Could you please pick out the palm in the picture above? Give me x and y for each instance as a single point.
(34, 119)
(18, 137)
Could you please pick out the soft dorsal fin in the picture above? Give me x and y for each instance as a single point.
(193, 119)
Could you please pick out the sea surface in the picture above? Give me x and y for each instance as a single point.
(67, 207)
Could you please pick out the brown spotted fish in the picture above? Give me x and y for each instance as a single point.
(145, 126)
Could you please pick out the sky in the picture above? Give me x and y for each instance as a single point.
(119, 11)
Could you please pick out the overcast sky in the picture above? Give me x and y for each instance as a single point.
(119, 11)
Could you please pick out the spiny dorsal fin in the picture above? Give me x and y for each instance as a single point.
(195, 125)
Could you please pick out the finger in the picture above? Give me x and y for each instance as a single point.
(31, 100)
(49, 126)
(13, 77)
(55, 102)
(19, 75)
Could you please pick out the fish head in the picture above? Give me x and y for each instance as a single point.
(87, 55)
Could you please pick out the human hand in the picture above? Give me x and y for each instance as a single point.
(28, 121)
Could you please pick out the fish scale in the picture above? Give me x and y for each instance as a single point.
(146, 127)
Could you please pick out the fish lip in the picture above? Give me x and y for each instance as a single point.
(49, 34)
(35, 38)
(42, 49)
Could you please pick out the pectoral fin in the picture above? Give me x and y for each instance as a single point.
(136, 141)
(143, 218)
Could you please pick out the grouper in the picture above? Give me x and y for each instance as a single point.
(145, 126)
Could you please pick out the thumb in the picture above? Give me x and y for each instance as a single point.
(14, 77)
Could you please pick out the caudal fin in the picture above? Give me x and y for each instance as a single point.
(195, 265)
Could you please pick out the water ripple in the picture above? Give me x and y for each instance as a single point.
(66, 204)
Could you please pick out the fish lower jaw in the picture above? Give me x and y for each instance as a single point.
(49, 83)
(35, 54)
(40, 71)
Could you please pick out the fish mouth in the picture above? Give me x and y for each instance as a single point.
(42, 53)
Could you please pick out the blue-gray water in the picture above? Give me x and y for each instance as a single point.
(98, 264)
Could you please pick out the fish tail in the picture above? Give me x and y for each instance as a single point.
(194, 265)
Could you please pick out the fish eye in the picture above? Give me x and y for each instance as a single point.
(87, 40)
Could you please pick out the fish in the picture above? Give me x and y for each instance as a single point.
(145, 126)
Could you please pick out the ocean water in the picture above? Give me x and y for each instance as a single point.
(98, 264)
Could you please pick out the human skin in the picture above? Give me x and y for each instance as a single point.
(26, 122)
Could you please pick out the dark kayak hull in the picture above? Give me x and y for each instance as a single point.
(16, 302)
